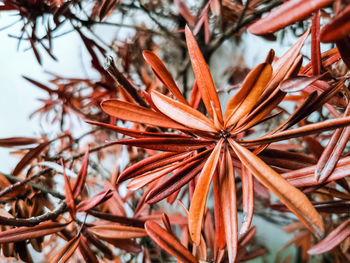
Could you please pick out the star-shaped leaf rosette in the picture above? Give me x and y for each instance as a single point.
(201, 148)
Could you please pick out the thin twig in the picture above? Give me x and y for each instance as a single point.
(240, 24)
(111, 68)
(32, 221)
(27, 182)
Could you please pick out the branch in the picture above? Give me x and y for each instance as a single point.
(89, 23)
(242, 22)
(27, 182)
(32, 221)
(163, 28)
(119, 78)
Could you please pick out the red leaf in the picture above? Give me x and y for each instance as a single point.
(17, 141)
(246, 98)
(306, 176)
(315, 44)
(248, 199)
(94, 201)
(343, 46)
(69, 195)
(302, 131)
(25, 233)
(125, 244)
(228, 197)
(175, 181)
(150, 163)
(31, 155)
(133, 133)
(199, 199)
(163, 74)
(132, 112)
(80, 181)
(117, 219)
(293, 198)
(333, 151)
(144, 179)
(337, 28)
(168, 144)
(85, 250)
(36, 53)
(220, 238)
(117, 231)
(185, 12)
(332, 240)
(286, 14)
(167, 242)
(66, 251)
(182, 113)
(297, 83)
(203, 78)
(40, 85)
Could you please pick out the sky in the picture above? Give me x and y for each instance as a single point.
(18, 97)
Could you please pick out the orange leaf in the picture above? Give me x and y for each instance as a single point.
(248, 199)
(284, 65)
(168, 144)
(301, 131)
(80, 181)
(175, 181)
(315, 44)
(338, 28)
(286, 14)
(66, 251)
(31, 155)
(132, 112)
(200, 194)
(220, 238)
(144, 179)
(163, 74)
(150, 163)
(306, 176)
(293, 198)
(133, 133)
(94, 201)
(86, 251)
(169, 243)
(25, 233)
(259, 112)
(228, 198)
(245, 99)
(329, 166)
(332, 240)
(202, 74)
(69, 194)
(17, 141)
(117, 231)
(182, 113)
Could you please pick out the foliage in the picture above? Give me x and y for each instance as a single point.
(180, 143)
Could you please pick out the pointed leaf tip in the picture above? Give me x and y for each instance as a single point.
(292, 197)
(182, 113)
(286, 14)
(163, 74)
(199, 199)
(168, 242)
(203, 77)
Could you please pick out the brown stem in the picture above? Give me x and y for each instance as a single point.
(119, 77)
(26, 181)
(32, 221)
(242, 22)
